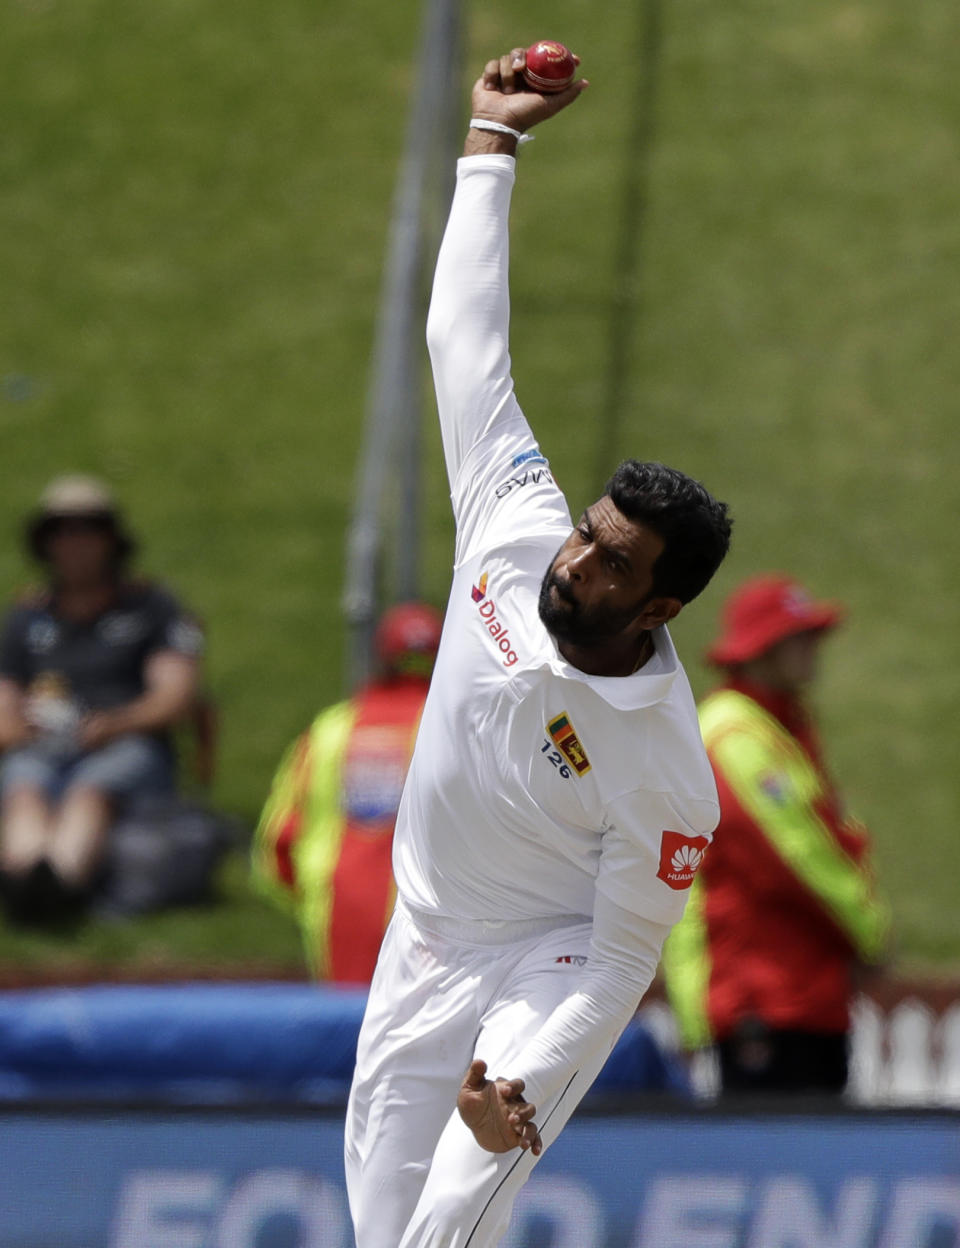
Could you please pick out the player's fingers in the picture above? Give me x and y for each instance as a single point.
(530, 1138)
(512, 1088)
(491, 75)
(475, 1078)
(519, 1116)
(511, 65)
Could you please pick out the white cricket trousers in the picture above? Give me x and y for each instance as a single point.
(445, 992)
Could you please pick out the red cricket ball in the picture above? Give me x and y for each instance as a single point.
(550, 66)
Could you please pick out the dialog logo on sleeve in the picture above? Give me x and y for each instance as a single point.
(680, 857)
(495, 627)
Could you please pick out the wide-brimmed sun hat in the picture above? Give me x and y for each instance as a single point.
(767, 609)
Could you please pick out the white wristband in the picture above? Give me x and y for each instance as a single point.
(481, 123)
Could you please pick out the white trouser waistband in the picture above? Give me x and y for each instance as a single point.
(487, 931)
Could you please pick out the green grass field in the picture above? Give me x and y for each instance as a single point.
(192, 226)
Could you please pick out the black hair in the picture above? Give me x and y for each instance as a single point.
(40, 527)
(694, 526)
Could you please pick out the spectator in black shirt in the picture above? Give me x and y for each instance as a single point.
(95, 670)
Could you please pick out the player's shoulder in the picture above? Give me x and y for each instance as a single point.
(671, 757)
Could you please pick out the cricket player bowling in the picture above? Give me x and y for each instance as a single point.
(559, 800)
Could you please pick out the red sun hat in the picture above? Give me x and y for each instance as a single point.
(764, 610)
(408, 637)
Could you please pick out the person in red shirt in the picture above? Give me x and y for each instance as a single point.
(322, 849)
(785, 906)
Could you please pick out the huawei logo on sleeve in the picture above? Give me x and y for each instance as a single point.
(686, 859)
(680, 858)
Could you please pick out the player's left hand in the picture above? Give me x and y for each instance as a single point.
(496, 1112)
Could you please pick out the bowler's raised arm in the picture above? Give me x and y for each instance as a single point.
(468, 325)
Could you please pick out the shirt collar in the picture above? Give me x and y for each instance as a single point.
(650, 685)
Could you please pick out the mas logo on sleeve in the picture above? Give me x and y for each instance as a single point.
(529, 476)
(680, 858)
(530, 468)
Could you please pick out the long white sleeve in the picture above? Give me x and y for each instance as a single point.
(488, 445)
(469, 319)
(624, 953)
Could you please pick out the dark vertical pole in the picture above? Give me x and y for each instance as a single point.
(394, 404)
(447, 131)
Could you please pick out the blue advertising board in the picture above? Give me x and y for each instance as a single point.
(687, 1179)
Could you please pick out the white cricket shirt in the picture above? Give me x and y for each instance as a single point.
(533, 785)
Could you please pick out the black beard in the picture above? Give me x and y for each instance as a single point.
(566, 621)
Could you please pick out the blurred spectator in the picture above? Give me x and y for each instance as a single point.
(323, 845)
(784, 907)
(95, 670)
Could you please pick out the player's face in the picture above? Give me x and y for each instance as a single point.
(601, 580)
